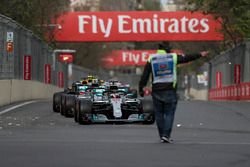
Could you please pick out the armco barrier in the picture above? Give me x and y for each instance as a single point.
(234, 92)
(20, 90)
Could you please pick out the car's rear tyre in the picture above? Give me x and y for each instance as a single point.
(66, 113)
(148, 110)
(76, 112)
(62, 108)
(56, 101)
(75, 116)
(54, 107)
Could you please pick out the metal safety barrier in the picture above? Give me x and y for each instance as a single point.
(24, 56)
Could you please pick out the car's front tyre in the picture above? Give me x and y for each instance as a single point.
(85, 108)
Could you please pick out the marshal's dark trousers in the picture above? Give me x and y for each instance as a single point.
(164, 102)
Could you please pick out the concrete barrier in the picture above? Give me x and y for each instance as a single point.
(5, 89)
(198, 94)
(19, 90)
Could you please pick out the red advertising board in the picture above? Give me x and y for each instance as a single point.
(60, 79)
(137, 26)
(27, 67)
(66, 58)
(47, 74)
(237, 73)
(127, 58)
(218, 79)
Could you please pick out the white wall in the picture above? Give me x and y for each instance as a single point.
(5, 89)
(198, 94)
(19, 90)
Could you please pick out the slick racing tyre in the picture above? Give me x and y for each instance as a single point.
(62, 108)
(77, 109)
(148, 111)
(56, 101)
(84, 112)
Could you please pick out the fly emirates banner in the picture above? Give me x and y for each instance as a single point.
(137, 26)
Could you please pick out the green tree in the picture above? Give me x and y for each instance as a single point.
(233, 15)
(153, 5)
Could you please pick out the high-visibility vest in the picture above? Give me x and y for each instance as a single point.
(174, 67)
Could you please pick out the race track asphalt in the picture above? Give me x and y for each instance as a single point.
(205, 134)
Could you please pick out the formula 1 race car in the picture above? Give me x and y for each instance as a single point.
(57, 97)
(64, 102)
(113, 105)
(68, 100)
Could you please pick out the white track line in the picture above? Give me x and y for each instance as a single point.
(16, 106)
(212, 143)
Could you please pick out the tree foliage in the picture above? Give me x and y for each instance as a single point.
(233, 14)
(153, 5)
(35, 15)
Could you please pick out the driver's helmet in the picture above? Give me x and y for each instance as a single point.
(85, 82)
(101, 82)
